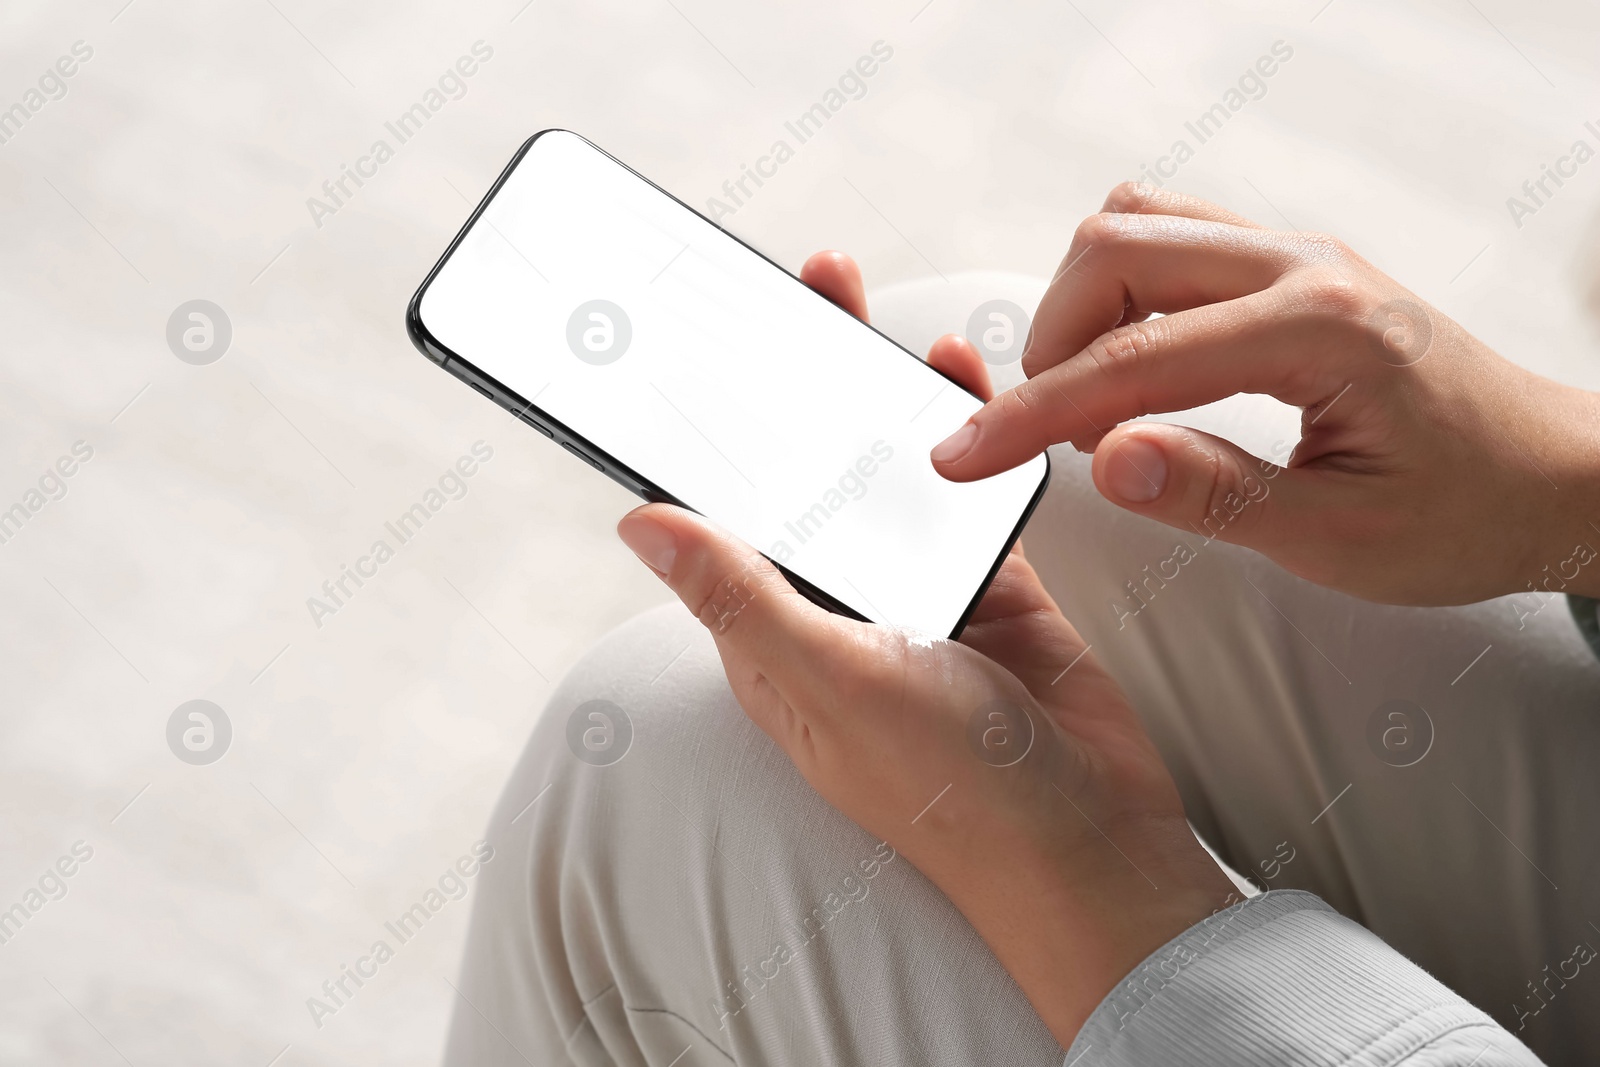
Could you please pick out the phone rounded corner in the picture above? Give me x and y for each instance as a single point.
(1044, 478)
(414, 328)
(529, 142)
(1016, 535)
(420, 337)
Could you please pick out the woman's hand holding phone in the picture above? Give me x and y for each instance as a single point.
(1008, 766)
(1429, 469)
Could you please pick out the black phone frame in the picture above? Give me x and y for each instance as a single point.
(607, 464)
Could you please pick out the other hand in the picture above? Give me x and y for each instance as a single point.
(1429, 470)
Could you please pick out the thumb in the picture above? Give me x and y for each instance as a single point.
(764, 630)
(1202, 484)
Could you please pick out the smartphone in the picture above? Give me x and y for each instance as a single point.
(671, 356)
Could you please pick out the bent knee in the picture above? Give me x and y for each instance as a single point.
(647, 706)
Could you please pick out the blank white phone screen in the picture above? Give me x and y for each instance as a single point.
(723, 380)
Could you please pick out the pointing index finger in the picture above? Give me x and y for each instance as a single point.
(1169, 364)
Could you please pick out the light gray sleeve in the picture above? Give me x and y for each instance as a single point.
(1284, 980)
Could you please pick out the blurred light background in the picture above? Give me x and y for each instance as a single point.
(365, 753)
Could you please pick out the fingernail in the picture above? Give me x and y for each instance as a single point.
(1137, 471)
(956, 445)
(651, 542)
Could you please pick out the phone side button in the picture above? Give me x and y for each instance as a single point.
(480, 388)
(568, 446)
(536, 426)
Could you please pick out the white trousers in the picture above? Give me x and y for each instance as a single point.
(1428, 772)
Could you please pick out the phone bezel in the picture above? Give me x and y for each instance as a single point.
(597, 457)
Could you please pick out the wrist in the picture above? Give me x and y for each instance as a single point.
(1567, 524)
(1069, 928)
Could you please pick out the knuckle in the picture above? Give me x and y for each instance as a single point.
(1335, 296)
(1128, 198)
(1124, 357)
(725, 599)
(1019, 412)
(1097, 232)
(1124, 350)
(1324, 248)
(1022, 406)
(1041, 409)
(1233, 501)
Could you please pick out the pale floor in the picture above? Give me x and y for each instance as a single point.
(366, 753)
